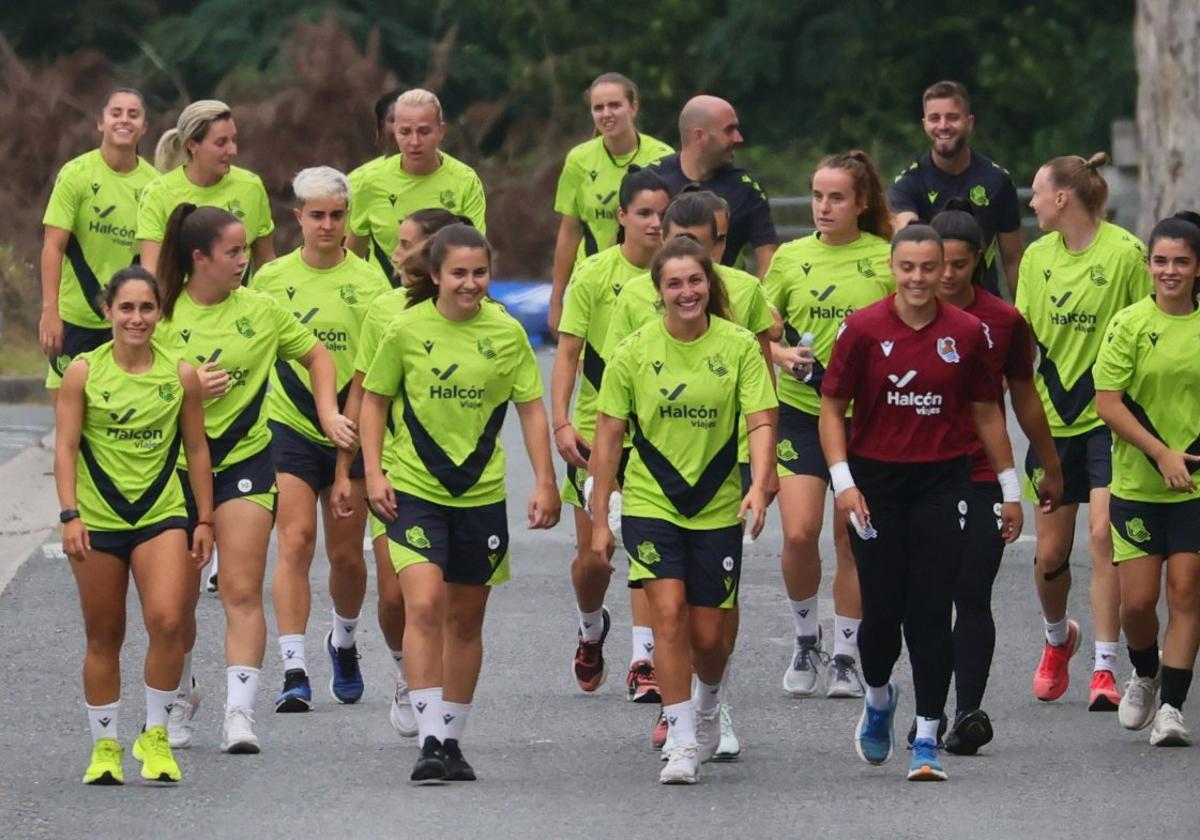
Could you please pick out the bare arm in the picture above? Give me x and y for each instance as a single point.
(762, 258)
(373, 420)
(1172, 465)
(357, 244)
(562, 385)
(903, 218)
(760, 427)
(339, 493)
(199, 461)
(50, 327)
(1011, 248)
(606, 455)
(989, 425)
(337, 427)
(566, 246)
(262, 251)
(68, 428)
(149, 254)
(1031, 416)
(544, 505)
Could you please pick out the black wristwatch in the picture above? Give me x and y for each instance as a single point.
(65, 516)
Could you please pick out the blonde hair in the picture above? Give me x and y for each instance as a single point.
(320, 182)
(1082, 177)
(421, 98)
(193, 124)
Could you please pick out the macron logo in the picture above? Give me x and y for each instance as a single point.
(887, 346)
(901, 381)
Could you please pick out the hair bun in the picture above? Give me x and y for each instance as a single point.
(1097, 160)
(1188, 216)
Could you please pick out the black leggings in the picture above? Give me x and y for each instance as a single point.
(907, 573)
(974, 628)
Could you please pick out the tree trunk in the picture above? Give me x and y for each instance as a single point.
(1168, 107)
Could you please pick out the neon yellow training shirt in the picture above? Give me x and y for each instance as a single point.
(240, 191)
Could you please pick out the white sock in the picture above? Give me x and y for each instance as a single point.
(1106, 657)
(705, 697)
(291, 648)
(878, 697)
(845, 636)
(158, 706)
(927, 727)
(398, 661)
(591, 625)
(804, 614)
(454, 719)
(241, 686)
(643, 645)
(102, 720)
(681, 719)
(1057, 632)
(427, 704)
(343, 630)
(185, 677)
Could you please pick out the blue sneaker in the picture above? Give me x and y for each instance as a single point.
(873, 737)
(346, 684)
(926, 766)
(297, 693)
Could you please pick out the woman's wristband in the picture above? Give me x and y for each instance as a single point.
(1010, 485)
(561, 425)
(840, 478)
(204, 522)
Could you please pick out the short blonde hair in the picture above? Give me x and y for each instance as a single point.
(193, 124)
(421, 98)
(320, 182)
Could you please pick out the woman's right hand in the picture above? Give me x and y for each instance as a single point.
(602, 543)
(381, 495)
(798, 361)
(1176, 470)
(76, 542)
(50, 333)
(851, 501)
(214, 382)
(568, 442)
(340, 497)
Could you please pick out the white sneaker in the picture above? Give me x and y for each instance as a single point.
(237, 734)
(179, 719)
(1139, 702)
(401, 715)
(730, 747)
(683, 766)
(1169, 729)
(843, 679)
(708, 733)
(803, 672)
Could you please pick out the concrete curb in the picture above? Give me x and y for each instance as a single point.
(23, 389)
(27, 512)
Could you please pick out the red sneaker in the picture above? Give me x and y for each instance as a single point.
(1052, 676)
(1103, 696)
(590, 670)
(641, 683)
(659, 736)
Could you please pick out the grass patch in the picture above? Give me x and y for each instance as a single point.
(20, 355)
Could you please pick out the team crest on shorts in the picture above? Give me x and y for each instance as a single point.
(1136, 529)
(947, 348)
(785, 451)
(416, 537)
(647, 553)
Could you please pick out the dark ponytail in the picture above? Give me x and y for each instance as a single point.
(132, 274)
(957, 222)
(189, 229)
(693, 209)
(434, 253)
(683, 247)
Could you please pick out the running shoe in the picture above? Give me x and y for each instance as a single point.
(1053, 675)
(971, 731)
(1103, 695)
(237, 732)
(730, 747)
(457, 768)
(843, 679)
(401, 715)
(430, 768)
(658, 737)
(1140, 702)
(708, 733)
(590, 670)
(1169, 730)
(802, 675)
(874, 735)
(212, 584)
(926, 766)
(105, 767)
(641, 683)
(297, 693)
(154, 751)
(179, 719)
(683, 766)
(912, 731)
(346, 684)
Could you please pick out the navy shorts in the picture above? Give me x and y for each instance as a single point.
(469, 544)
(311, 462)
(709, 562)
(1160, 529)
(1086, 465)
(121, 544)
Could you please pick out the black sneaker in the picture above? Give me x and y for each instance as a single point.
(912, 732)
(297, 693)
(430, 768)
(457, 768)
(971, 731)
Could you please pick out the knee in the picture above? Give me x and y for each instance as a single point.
(1183, 596)
(670, 620)
(1100, 538)
(464, 628)
(297, 538)
(345, 560)
(709, 640)
(105, 642)
(164, 624)
(1052, 562)
(240, 596)
(424, 613)
(800, 539)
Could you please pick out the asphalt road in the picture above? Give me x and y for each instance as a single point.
(555, 763)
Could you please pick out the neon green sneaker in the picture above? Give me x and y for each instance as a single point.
(152, 749)
(105, 768)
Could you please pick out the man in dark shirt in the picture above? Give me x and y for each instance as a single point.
(708, 134)
(952, 169)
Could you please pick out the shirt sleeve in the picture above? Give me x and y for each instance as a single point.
(755, 392)
(64, 201)
(616, 389)
(1018, 364)
(902, 194)
(294, 338)
(1007, 208)
(266, 224)
(369, 336)
(775, 284)
(474, 203)
(620, 324)
(1113, 370)
(847, 364)
(527, 378)
(1021, 302)
(981, 381)
(360, 207)
(152, 214)
(566, 196)
(577, 307)
(386, 372)
(758, 314)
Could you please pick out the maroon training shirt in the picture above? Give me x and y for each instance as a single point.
(912, 389)
(1008, 355)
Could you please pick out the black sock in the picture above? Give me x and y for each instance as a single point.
(1175, 684)
(1145, 661)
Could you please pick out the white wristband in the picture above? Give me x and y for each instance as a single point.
(839, 476)
(1010, 485)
